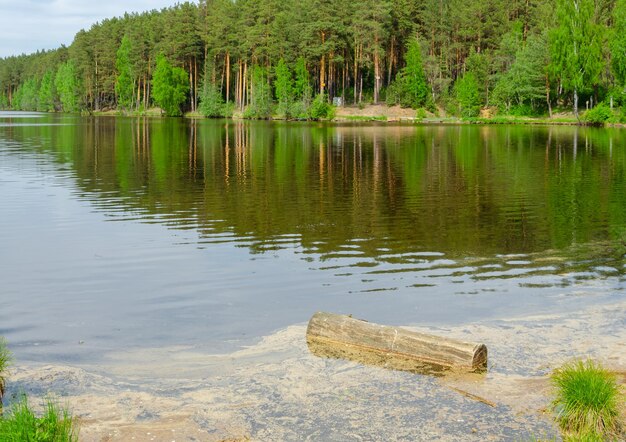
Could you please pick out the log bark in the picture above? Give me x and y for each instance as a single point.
(345, 337)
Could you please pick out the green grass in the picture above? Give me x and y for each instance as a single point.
(5, 361)
(587, 402)
(22, 424)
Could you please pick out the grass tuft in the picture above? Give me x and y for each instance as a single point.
(5, 361)
(587, 401)
(22, 424)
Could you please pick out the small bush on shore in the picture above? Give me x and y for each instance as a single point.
(587, 401)
(599, 115)
(321, 109)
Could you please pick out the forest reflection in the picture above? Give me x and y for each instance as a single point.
(390, 192)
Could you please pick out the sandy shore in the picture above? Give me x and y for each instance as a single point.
(277, 391)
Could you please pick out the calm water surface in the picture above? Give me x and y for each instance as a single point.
(122, 233)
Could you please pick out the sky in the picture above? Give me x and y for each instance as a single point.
(29, 25)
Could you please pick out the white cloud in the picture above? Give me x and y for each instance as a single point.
(29, 25)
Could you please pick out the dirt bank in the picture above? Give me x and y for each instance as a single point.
(375, 111)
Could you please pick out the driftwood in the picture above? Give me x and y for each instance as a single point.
(340, 336)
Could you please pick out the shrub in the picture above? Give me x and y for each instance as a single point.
(260, 107)
(21, 424)
(299, 110)
(393, 93)
(599, 115)
(212, 104)
(523, 110)
(587, 401)
(420, 114)
(5, 361)
(321, 108)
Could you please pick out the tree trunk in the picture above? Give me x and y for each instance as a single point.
(376, 71)
(138, 94)
(391, 57)
(191, 84)
(323, 67)
(331, 75)
(246, 95)
(145, 90)
(356, 70)
(361, 90)
(195, 83)
(97, 103)
(548, 96)
(576, 103)
(343, 82)
(227, 76)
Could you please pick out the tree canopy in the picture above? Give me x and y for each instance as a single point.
(522, 54)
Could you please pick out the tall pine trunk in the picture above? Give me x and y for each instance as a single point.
(376, 71)
(323, 67)
(227, 76)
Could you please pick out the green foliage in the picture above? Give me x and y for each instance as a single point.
(523, 87)
(212, 104)
(302, 92)
(68, 87)
(284, 89)
(523, 110)
(420, 114)
(410, 88)
(260, 96)
(302, 87)
(468, 95)
(479, 64)
(5, 360)
(576, 46)
(587, 401)
(618, 42)
(4, 102)
(363, 48)
(599, 115)
(26, 96)
(321, 109)
(170, 86)
(21, 424)
(124, 84)
(45, 101)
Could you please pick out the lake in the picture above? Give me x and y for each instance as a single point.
(125, 234)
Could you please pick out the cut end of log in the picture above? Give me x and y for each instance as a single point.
(340, 336)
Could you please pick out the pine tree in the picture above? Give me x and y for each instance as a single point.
(468, 95)
(45, 102)
(124, 84)
(283, 86)
(170, 86)
(413, 78)
(68, 87)
(260, 95)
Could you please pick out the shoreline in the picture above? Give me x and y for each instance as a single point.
(391, 115)
(380, 114)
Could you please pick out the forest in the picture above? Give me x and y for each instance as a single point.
(294, 58)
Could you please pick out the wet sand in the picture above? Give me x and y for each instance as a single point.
(277, 391)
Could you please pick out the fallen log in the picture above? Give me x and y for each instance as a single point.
(340, 336)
